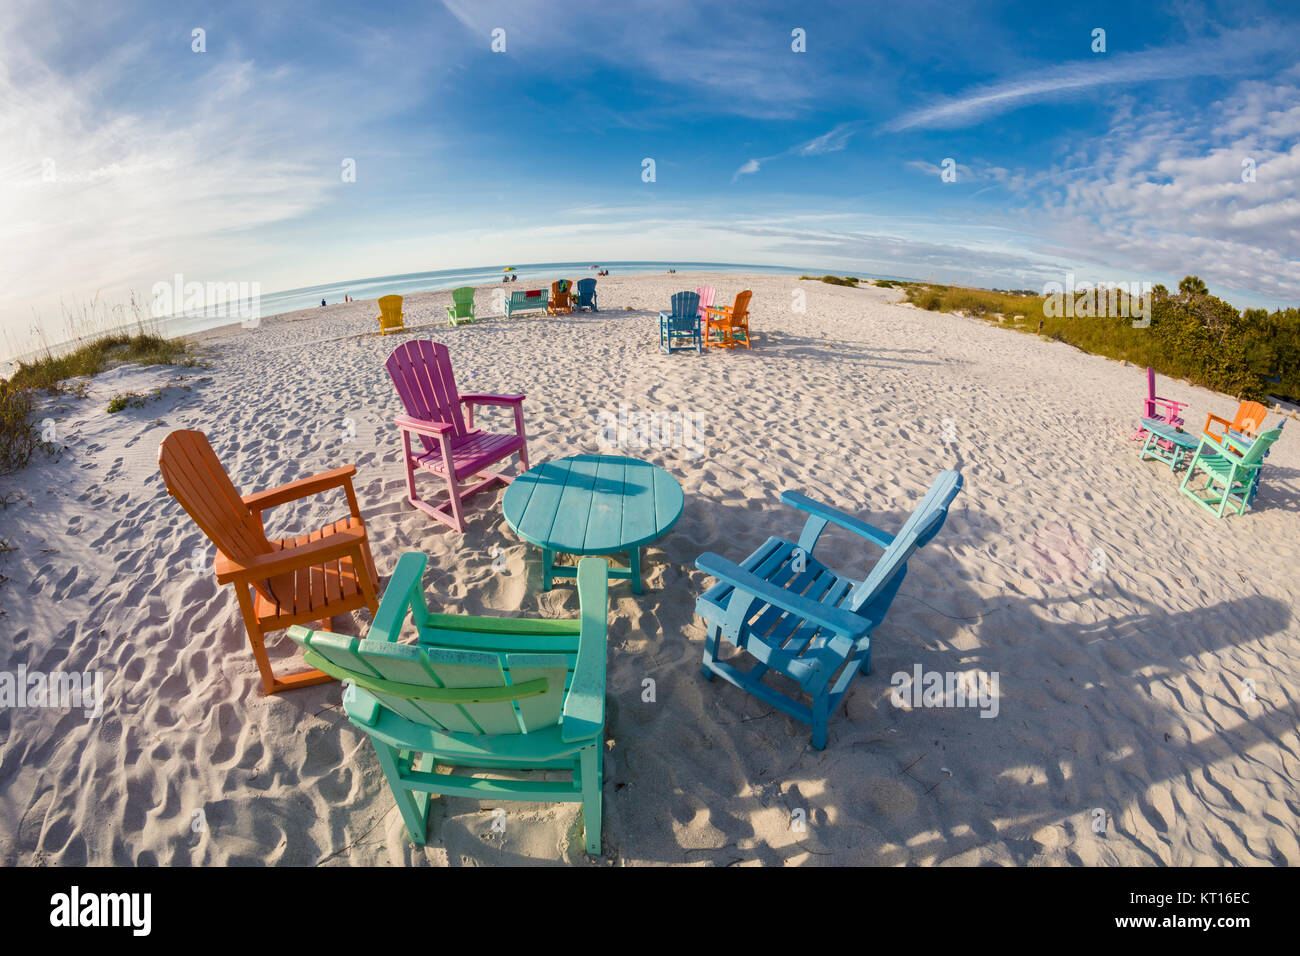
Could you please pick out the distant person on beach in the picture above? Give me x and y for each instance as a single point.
(322, 303)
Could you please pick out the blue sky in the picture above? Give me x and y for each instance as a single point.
(125, 157)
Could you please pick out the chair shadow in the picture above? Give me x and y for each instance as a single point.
(1092, 714)
(806, 347)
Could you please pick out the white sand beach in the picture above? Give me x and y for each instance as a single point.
(1146, 653)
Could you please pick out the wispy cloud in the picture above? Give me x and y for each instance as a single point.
(831, 141)
(1237, 52)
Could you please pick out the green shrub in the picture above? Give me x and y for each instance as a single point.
(132, 400)
(835, 280)
(1193, 335)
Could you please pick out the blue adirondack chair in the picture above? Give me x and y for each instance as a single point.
(682, 324)
(586, 296)
(488, 693)
(793, 615)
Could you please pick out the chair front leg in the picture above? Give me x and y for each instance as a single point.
(453, 488)
(519, 430)
(414, 807)
(410, 466)
(367, 577)
(256, 639)
(589, 767)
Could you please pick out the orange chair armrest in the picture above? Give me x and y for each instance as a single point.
(337, 545)
(302, 488)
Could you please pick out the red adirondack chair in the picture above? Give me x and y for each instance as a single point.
(450, 446)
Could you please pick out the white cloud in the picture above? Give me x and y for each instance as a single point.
(1229, 53)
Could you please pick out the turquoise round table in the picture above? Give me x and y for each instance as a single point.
(592, 504)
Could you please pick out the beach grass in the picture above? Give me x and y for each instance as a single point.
(55, 373)
(19, 439)
(49, 372)
(1193, 335)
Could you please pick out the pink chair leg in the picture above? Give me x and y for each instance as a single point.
(519, 430)
(453, 490)
(410, 467)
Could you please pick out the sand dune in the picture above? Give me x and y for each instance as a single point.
(1126, 626)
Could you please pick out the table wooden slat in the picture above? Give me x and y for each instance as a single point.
(605, 520)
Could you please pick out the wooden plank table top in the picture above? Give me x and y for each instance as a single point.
(1170, 433)
(1180, 442)
(593, 504)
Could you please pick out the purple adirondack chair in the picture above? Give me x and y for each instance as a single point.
(1161, 409)
(451, 447)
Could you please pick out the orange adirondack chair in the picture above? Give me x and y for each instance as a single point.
(279, 582)
(560, 298)
(391, 314)
(731, 323)
(1248, 421)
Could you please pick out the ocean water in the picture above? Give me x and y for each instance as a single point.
(530, 274)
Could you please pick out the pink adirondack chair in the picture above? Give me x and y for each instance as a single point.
(706, 294)
(1161, 409)
(450, 446)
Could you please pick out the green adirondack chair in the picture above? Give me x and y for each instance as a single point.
(483, 693)
(1230, 473)
(462, 307)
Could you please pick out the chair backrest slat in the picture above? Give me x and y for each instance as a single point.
(422, 373)
(1255, 454)
(923, 524)
(390, 311)
(740, 311)
(194, 476)
(463, 301)
(685, 305)
(1149, 403)
(707, 294)
(1249, 418)
(404, 678)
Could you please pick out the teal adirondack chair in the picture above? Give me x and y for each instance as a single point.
(1231, 472)
(462, 308)
(793, 615)
(586, 296)
(487, 693)
(1241, 443)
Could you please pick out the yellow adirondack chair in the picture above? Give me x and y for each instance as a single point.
(390, 314)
